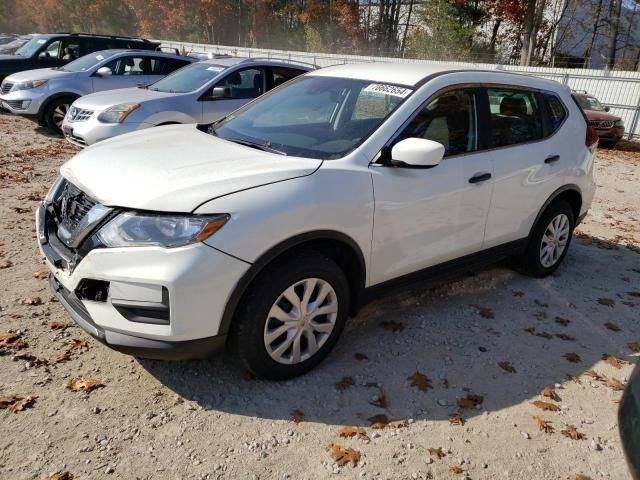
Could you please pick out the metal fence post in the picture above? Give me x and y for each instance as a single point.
(634, 122)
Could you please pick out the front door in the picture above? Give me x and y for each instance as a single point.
(127, 71)
(424, 217)
(241, 86)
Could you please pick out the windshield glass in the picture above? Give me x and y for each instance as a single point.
(83, 64)
(314, 117)
(589, 103)
(188, 79)
(29, 48)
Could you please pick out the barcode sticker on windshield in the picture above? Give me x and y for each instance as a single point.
(388, 90)
(41, 41)
(99, 57)
(214, 69)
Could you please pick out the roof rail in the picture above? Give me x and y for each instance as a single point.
(278, 59)
(580, 91)
(116, 37)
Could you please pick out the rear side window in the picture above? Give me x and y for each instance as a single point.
(282, 75)
(556, 110)
(515, 117)
(164, 66)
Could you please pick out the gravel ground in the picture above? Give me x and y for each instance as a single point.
(209, 419)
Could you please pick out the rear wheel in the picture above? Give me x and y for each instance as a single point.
(55, 112)
(292, 316)
(549, 240)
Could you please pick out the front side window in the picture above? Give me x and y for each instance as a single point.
(589, 103)
(557, 111)
(449, 119)
(314, 117)
(515, 117)
(282, 75)
(127, 66)
(188, 79)
(247, 83)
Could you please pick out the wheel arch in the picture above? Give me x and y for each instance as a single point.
(337, 246)
(47, 102)
(570, 193)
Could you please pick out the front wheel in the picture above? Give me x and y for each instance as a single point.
(291, 316)
(549, 240)
(55, 112)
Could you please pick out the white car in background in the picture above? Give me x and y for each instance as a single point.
(200, 93)
(45, 94)
(268, 231)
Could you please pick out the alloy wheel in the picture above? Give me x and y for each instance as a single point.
(554, 241)
(300, 321)
(59, 113)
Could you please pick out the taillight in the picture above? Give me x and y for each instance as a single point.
(592, 137)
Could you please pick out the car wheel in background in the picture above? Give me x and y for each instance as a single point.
(55, 112)
(549, 241)
(291, 316)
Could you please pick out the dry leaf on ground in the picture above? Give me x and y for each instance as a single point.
(392, 326)
(544, 425)
(548, 392)
(32, 301)
(562, 321)
(16, 404)
(77, 344)
(5, 264)
(546, 406)
(507, 367)
(379, 421)
(580, 476)
(615, 362)
(436, 452)
(471, 401)
(574, 378)
(360, 356)
(345, 383)
(343, 455)
(297, 416)
(29, 357)
(61, 476)
(565, 337)
(634, 347)
(615, 384)
(607, 302)
(41, 275)
(571, 432)
(83, 384)
(350, 432)
(572, 357)
(595, 375)
(58, 325)
(11, 341)
(456, 469)
(485, 312)
(613, 327)
(421, 381)
(456, 420)
(382, 401)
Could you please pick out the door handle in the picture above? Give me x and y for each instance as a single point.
(483, 177)
(552, 158)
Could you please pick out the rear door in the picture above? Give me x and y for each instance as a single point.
(241, 86)
(276, 76)
(126, 71)
(158, 67)
(529, 158)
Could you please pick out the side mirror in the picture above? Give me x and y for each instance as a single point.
(43, 55)
(220, 92)
(607, 109)
(416, 153)
(104, 72)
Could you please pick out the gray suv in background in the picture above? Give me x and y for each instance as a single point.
(199, 93)
(45, 94)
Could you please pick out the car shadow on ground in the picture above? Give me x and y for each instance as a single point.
(456, 333)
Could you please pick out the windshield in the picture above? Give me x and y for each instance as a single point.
(589, 103)
(314, 117)
(31, 47)
(188, 79)
(83, 64)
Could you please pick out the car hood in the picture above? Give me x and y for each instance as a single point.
(102, 100)
(38, 74)
(175, 168)
(596, 115)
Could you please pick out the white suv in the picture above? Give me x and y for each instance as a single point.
(268, 230)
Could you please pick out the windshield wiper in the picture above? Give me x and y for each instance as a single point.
(265, 147)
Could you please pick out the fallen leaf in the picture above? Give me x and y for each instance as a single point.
(548, 392)
(16, 404)
(456, 420)
(471, 401)
(607, 302)
(634, 294)
(33, 301)
(343, 455)
(297, 416)
(595, 375)
(379, 421)
(83, 384)
(580, 476)
(61, 476)
(614, 361)
(437, 452)
(615, 384)
(541, 304)
(63, 357)
(544, 425)
(572, 357)
(562, 321)
(77, 344)
(571, 432)
(392, 326)
(5, 264)
(456, 469)
(350, 432)
(7, 400)
(398, 424)
(546, 406)
(507, 367)
(11, 341)
(382, 401)
(360, 356)
(421, 381)
(518, 293)
(28, 357)
(565, 337)
(613, 327)
(634, 347)
(540, 315)
(485, 312)
(574, 378)
(41, 275)
(345, 383)
(58, 325)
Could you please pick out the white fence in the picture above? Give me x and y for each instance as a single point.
(618, 89)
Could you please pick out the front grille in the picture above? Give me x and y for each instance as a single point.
(6, 86)
(601, 123)
(76, 140)
(15, 104)
(79, 114)
(73, 206)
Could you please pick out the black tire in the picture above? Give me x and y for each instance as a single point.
(531, 262)
(248, 329)
(52, 111)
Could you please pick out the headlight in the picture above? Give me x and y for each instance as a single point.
(130, 229)
(28, 85)
(117, 113)
(619, 123)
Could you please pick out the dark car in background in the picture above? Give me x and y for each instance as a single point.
(610, 127)
(9, 47)
(55, 50)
